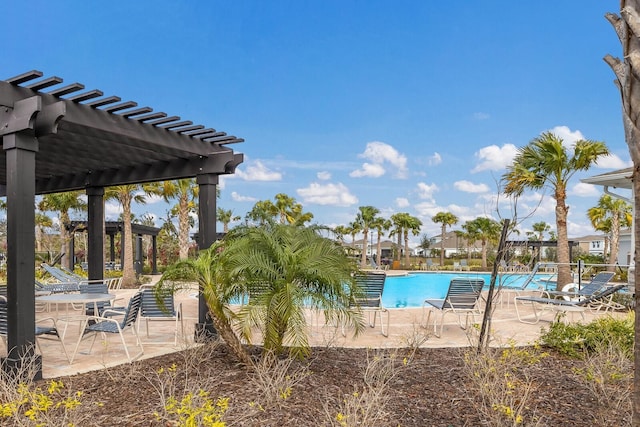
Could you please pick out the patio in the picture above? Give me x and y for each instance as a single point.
(404, 331)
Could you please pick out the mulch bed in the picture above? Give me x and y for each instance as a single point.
(430, 389)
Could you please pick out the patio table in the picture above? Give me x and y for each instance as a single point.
(67, 299)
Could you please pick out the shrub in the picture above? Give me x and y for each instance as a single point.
(578, 340)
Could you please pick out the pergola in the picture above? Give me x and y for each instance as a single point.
(111, 228)
(59, 138)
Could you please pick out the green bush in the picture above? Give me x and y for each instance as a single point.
(578, 340)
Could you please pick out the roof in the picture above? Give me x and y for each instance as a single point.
(85, 139)
(619, 179)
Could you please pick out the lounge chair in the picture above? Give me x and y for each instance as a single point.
(49, 332)
(573, 292)
(159, 307)
(107, 324)
(560, 305)
(461, 299)
(369, 297)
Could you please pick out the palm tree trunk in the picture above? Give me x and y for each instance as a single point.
(615, 242)
(228, 335)
(363, 256)
(183, 229)
(564, 269)
(128, 274)
(379, 250)
(406, 249)
(442, 245)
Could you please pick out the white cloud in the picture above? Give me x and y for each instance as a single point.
(568, 138)
(434, 160)
(327, 194)
(368, 170)
(494, 158)
(426, 191)
(257, 172)
(152, 199)
(427, 209)
(324, 175)
(481, 116)
(470, 187)
(402, 202)
(379, 153)
(612, 161)
(112, 210)
(585, 190)
(238, 198)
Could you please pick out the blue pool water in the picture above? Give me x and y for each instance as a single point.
(413, 289)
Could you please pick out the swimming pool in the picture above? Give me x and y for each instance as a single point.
(411, 290)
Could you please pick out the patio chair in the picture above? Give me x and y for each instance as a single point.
(464, 265)
(58, 274)
(559, 305)
(461, 299)
(107, 324)
(572, 291)
(45, 332)
(431, 265)
(369, 297)
(159, 307)
(100, 287)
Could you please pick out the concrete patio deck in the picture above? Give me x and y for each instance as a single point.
(404, 331)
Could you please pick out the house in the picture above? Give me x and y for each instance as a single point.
(595, 244)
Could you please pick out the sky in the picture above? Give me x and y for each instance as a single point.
(407, 106)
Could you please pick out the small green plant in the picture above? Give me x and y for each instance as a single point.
(500, 378)
(197, 409)
(578, 340)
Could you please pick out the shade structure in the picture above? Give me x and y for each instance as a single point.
(58, 138)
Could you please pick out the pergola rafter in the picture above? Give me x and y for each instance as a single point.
(59, 138)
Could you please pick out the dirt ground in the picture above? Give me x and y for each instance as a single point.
(425, 388)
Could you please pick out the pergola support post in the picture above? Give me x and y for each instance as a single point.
(95, 238)
(206, 237)
(154, 251)
(20, 149)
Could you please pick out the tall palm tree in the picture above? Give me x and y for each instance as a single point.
(365, 218)
(539, 230)
(412, 225)
(287, 268)
(545, 162)
(186, 192)
(610, 215)
(354, 228)
(381, 225)
(225, 216)
(126, 195)
(42, 222)
(341, 231)
(486, 230)
(447, 219)
(397, 222)
(62, 203)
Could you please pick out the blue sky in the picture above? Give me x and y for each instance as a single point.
(408, 106)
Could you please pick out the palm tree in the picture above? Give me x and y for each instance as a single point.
(381, 225)
(447, 219)
(263, 212)
(212, 276)
(610, 215)
(62, 203)
(287, 268)
(42, 222)
(486, 230)
(125, 195)
(353, 228)
(545, 162)
(405, 223)
(225, 216)
(539, 229)
(186, 192)
(284, 204)
(365, 219)
(397, 231)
